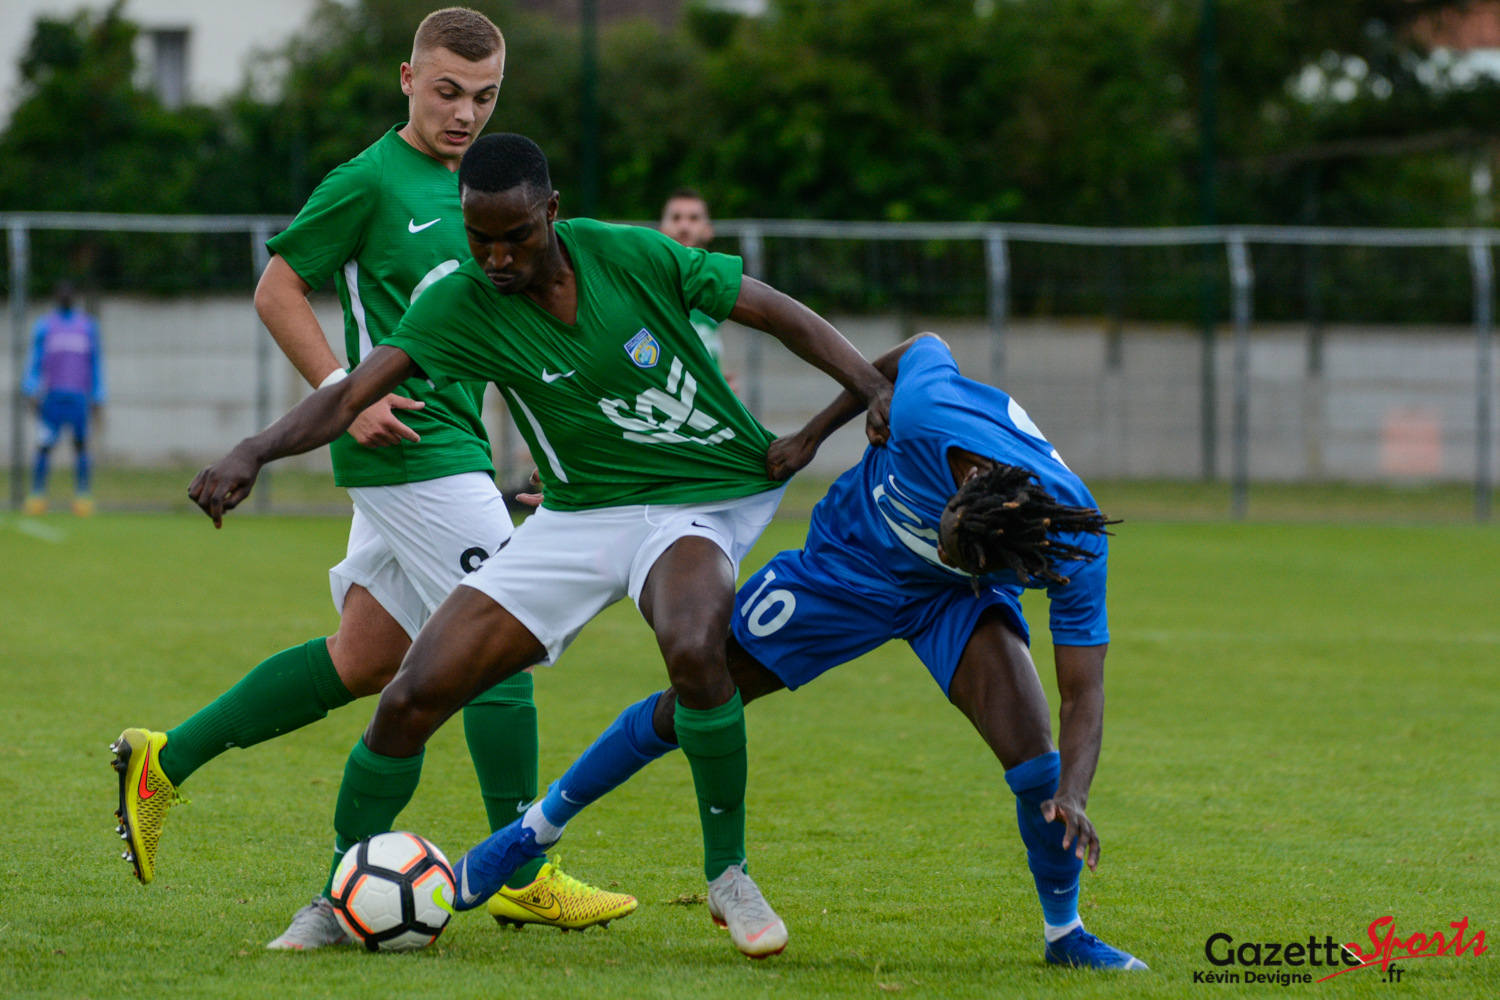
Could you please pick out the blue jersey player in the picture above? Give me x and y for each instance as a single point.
(65, 380)
(930, 539)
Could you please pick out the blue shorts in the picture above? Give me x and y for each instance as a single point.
(800, 620)
(64, 409)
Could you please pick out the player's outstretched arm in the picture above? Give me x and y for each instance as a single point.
(281, 302)
(789, 455)
(315, 421)
(1080, 685)
(813, 339)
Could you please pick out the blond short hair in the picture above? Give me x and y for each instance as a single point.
(464, 32)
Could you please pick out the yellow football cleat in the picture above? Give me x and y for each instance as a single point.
(559, 900)
(83, 507)
(145, 797)
(36, 505)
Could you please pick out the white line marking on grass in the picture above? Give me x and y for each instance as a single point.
(36, 529)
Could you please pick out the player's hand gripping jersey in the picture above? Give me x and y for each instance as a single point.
(626, 406)
(386, 226)
(870, 571)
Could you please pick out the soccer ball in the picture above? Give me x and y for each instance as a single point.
(393, 892)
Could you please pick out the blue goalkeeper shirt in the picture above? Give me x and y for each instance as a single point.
(877, 529)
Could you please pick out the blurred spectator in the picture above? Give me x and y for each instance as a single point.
(65, 382)
(685, 219)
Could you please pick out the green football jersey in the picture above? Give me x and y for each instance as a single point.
(386, 226)
(708, 332)
(624, 407)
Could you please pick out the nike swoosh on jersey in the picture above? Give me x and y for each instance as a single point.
(412, 227)
(550, 377)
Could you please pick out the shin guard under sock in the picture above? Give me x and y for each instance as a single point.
(500, 727)
(714, 742)
(1054, 869)
(374, 791)
(629, 744)
(295, 687)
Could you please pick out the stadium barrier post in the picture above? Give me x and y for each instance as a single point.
(1315, 385)
(20, 278)
(1208, 196)
(753, 250)
(1242, 278)
(997, 257)
(1482, 265)
(260, 258)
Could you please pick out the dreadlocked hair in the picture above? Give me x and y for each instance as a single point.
(1003, 519)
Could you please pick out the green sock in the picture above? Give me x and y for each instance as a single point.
(500, 726)
(286, 692)
(714, 742)
(374, 791)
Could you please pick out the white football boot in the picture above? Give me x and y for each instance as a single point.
(735, 902)
(313, 926)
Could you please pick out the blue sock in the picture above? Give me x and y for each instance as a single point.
(39, 471)
(1055, 870)
(81, 479)
(629, 744)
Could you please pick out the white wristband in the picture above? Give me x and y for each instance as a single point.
(334, 377)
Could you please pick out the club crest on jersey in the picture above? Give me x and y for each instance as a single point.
(643, 349)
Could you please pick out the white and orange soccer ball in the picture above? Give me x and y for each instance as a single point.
(393, 892)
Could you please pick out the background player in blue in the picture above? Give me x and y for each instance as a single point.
(65, 380)
(931, 539)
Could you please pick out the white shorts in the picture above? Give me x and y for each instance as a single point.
(564, 567)
(410, 544)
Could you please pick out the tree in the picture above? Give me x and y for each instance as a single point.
(84, 138)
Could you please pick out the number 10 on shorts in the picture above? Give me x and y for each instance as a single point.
(773, 611)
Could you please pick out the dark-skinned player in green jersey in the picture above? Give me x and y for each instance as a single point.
(656, 483)
(384, 227)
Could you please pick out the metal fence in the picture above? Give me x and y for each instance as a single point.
(1026, 306)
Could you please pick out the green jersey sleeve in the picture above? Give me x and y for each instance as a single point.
(709, 282)
(435, 332)
(331, 226)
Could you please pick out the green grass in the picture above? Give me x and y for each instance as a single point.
(296, 492)
(1300, 738)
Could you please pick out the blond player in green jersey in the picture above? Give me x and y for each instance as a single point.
(656, 479)
(385, 226)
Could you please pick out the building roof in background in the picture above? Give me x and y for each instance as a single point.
(219, 37)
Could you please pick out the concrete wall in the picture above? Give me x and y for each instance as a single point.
(1390, 403)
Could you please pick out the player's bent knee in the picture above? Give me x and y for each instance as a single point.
(698, 676)
(691, 652)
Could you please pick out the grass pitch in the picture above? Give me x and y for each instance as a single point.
(1300, 738)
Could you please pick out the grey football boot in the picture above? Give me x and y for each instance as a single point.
(735, 902)
(313, 926)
